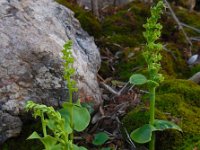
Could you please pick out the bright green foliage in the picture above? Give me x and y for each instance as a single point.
(143, 134)
(187, 88)
(138, 79)
(161, 125)
(68, 68)
(100, 138)
(152, 50)
(61, 123)
(152, 55)
(81, 115)
(53, 120)
(68, 73)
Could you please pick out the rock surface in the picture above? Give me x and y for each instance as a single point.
(32, 34)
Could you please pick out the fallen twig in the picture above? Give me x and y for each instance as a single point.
(125, 88)
(190, 27)
(133, 147)
(110, 89)
(195, 38)
(178, 23)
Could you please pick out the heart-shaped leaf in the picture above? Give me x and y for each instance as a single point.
(138, 79)
(81, 116)
(161, 125)
(100, 138)
(142, 134)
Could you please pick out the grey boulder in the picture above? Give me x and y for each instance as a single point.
(32, 34)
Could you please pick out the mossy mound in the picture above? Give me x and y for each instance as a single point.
(140, 116)
(188, 89)
(174, 102)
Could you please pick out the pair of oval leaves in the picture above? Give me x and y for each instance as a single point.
(144, 133)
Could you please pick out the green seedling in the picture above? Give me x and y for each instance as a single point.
(152, 56)
(100, 138)
(61, 124)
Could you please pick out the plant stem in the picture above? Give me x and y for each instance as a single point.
(71, 110)
(43, 125)
(152, 142)
(71, 117)
(152, 116)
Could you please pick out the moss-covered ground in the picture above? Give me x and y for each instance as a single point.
(121, 33)
(177, 101)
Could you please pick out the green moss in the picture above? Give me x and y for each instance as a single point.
(127, 20)
(138, 117)
(89, 23)
(188, 89)
(171, 33)
(173, 62)
(166, 103)
(191, 19)
(123, 40)
(174, 104)
(127, 65)
(168, 65)
(191, 142)
(194, 69)
(125, 28)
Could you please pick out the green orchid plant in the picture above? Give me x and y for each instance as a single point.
(61, 124)
(152, 56)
